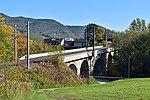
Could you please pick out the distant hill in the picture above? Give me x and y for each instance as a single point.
(44, 27)
(78, 31)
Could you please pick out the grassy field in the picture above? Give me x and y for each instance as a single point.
(129, 89)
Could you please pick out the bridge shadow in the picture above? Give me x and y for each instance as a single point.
(84, 71)
(73, 68)
(99, 68)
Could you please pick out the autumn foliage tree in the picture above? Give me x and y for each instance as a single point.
(5, 37)
(7, 42)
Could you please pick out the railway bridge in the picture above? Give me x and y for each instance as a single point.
(83, 61)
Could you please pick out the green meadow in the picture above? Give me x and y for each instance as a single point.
(128, 89)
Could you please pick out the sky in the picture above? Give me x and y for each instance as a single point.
(112, 14)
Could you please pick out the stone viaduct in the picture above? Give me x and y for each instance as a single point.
(82, 61)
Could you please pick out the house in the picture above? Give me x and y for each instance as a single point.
(79, 42)
(54, 41)
(67, 42)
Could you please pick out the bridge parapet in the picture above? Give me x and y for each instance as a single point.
(76, 54)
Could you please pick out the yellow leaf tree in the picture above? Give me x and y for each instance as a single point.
(7, 42)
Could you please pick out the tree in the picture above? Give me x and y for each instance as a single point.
(138, 25)
(141, 56)
(99, 34)
(7, 42)
(148, 27)
(6, 46)
(135, 43)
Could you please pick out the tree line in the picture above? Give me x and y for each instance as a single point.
(132, 55)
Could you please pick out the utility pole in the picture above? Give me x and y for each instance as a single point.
(129, 66)
(15, 43)
(106, 36)
(94, 42)
(93, 53)
(85, 36)
(28, 48)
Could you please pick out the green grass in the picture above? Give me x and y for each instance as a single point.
(130, 89)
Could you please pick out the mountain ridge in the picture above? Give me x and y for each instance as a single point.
(45, 27)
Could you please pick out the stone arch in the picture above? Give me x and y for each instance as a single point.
(84, 70)
(73, 68)
(99, 68)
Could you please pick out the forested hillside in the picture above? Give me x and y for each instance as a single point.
(76, 30)
(42, 27)
(45, 28)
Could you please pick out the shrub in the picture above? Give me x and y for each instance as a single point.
(18, 80)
